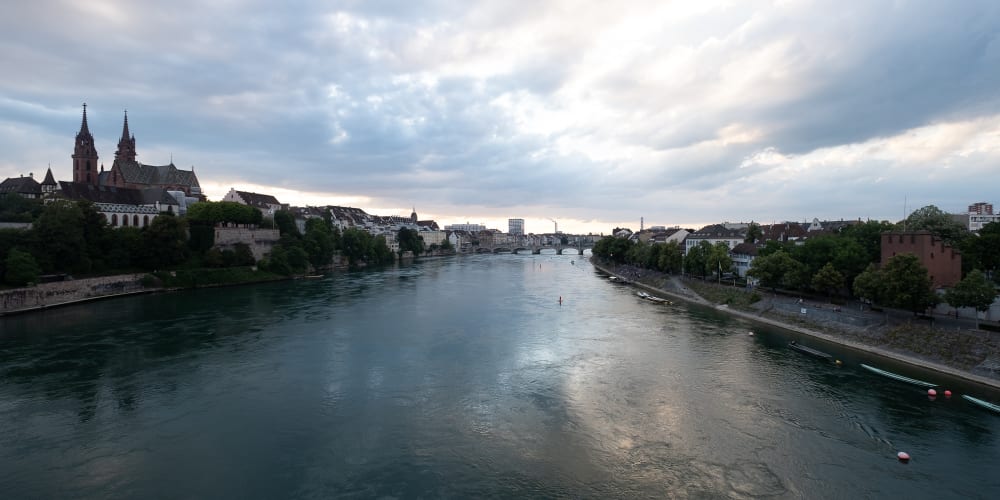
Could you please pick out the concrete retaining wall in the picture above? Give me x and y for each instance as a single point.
(63, 292)
(259, 240)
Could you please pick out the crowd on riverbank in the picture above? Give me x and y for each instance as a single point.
(946, 346)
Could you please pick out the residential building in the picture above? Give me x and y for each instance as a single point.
(743, 256)
(25, 187)
(470, 228)
(981, 208)
(730, 234)
(267, 204)
(515, 227)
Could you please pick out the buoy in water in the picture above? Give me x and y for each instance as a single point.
(838, 362)
(947, 393)
(903, 456)
(750, 334)
(931, 392)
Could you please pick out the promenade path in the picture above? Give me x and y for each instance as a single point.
(843, 334)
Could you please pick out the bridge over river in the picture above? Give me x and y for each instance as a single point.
(534, 248)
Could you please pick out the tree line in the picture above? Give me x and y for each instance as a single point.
(73, 237)
(839, 264)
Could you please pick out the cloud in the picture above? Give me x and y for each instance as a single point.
(682, 112)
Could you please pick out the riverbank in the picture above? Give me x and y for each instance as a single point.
(967, 354)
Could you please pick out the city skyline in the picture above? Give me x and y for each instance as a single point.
(592, 115)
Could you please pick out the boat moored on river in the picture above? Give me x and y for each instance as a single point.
(898, 377)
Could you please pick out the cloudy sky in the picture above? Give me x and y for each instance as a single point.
(593, 114)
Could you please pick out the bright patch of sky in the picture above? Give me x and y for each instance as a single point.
(590, 113)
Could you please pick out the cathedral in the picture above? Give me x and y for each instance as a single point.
(126, 172)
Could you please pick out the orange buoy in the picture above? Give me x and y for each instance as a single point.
(903, 456)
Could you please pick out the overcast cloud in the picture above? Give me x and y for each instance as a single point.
(591, 113)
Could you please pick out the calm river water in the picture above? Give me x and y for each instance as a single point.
(460, 378)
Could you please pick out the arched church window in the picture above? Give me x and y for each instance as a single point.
(135, 220)
(145, 220)
(124, 221)
(114, 220)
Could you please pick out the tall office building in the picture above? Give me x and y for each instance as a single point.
(515, 227)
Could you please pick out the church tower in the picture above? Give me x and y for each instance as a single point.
(85, 154)
(126, 145)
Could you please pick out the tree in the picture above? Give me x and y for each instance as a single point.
(905, 284)
(828, 280)
(696, 260)
(718, 259)
(164, 242)
(21, 268)
(671, 258)
(867, 285)
(60, 244)
(286, 223)
(869, 236)
(754, 233)
(937, 222)
(410, 241)
(318, 242)
(973, 291)
(772, 269)
(979, 251)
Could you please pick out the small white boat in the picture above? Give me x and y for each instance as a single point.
(898, 377)
(980, 402)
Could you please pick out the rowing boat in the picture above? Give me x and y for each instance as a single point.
(809, 350)
(898, 377)
(980, 402)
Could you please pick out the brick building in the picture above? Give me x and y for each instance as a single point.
(943, 263)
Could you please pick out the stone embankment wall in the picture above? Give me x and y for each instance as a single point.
(63, 292)
(259, 240)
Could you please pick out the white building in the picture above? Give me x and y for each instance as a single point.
(515, 227)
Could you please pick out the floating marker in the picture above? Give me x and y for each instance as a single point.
(903, 456)
(838, 362)
(931, 392)
(947, 393)
(750, 334)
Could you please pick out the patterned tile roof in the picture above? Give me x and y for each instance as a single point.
(21, 185)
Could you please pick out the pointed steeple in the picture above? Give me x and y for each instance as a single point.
(84, 154)
(126, 145)
(125, 134)
(84, 129)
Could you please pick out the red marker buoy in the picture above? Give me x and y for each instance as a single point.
(903, 456)
(947, 393)
(931, 392)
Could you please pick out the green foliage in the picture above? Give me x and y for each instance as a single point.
(286, 223)
(869, 236)
(905, 284)
(223, 212)
(59, 238)
(164, 243)
(867, 285)
(671, 258)
(446, 245)
(771, 269)
(20, 268)
(15, 208)
(828, 280)
(410, 241)
(193, 278)
(360, 247)
(979, 251)
(939, 223)
(754, 233)
(974, 291)
(718, 259)
(318, 242)
(613, 249)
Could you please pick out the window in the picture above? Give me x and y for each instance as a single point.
(145, 220)
(124, 221)
(135, 220)
(114, 220)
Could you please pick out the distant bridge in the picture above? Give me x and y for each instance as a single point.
(535, 249)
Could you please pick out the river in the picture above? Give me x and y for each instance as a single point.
(461, 378)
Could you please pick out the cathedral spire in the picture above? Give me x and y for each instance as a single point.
(84, 154)
(84, 129)
(125, 134)
(126, 145)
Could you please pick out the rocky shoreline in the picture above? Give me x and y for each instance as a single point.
(966, 353)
